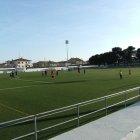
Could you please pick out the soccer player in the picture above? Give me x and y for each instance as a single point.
(52, 74)
(78, 70)
(46, 72)
(84, 71)
(57, 72)
(129, 72)
(120, 73)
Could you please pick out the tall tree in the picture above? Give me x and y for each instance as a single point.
(108, 58)
(128, 54)
(117, 55)
(95, 60)
(138, 54)
(124, 56)
(130, 50)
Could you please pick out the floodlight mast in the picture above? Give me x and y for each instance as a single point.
(67, 42)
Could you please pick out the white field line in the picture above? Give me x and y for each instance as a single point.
(35, 81)
(13, 109)
(18, 87)
(25, 86)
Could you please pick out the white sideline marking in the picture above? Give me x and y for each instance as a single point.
(36, 81)
(13, 109)
(26, 86)
(18, 87)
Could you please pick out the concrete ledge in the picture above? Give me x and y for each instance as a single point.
(115, 126)
(133, 135)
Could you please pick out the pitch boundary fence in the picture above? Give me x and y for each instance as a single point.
(79, 116)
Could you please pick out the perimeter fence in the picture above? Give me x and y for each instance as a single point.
(47, 124)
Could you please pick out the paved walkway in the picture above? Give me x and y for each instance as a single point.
(115, 126)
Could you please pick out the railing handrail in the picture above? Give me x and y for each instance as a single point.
(63, 109)
(70, 106)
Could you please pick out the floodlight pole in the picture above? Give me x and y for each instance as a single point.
(67, 54)
(67, 42)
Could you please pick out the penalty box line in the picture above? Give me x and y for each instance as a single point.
(35, 81)
(17, 88)
(14, 109)
(24, 86)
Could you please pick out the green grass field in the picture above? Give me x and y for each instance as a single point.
(32, 93)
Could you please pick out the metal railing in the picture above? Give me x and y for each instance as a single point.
(107, 105)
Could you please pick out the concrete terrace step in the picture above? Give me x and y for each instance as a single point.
(115, 126)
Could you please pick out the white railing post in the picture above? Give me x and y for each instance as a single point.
(35, 127)
(106, 104)
(139, 93)
(125, 99)
(78, 115)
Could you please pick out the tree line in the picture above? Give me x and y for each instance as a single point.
(116, 57)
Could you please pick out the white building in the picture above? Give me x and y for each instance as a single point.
(20, 64)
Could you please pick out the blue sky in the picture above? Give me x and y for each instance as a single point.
(37, 29)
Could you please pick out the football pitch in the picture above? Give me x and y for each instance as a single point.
(32, 93)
